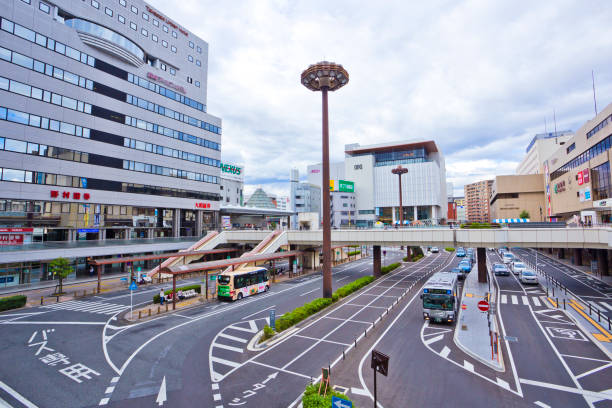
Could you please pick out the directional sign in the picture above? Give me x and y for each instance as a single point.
(273, 319)
(338, 402)
(483, 305)
(133, 286)
(380, 362)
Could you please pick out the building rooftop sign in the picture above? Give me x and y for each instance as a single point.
(172, 85)
(342, 186)
(167, 20)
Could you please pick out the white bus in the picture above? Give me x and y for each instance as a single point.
(440, 300)
(243, 282)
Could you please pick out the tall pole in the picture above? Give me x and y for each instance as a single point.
(327, 275)
(401, 209)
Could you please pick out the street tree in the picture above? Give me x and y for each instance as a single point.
(61, 268)
(524, 214)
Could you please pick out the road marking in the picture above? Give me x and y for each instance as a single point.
(161, 396)
(310, 291)
(217, 397)
(514, 300)
(252, 327)
(229, 336)
(552, 302)
(348, 320)
(585, 393)
(536, 301)
(224, 362)
(434, 339)
(104, 401)
(541, 404)
(504, 299)
(468, 366)
(604, 336)
(215, 386)
(502, 383)
(325, 341)
(109, 390)
(525, 300)
(280, 369)
(359, 391)
(585, 358)
(262, 310)
(604, 304)
(230, 348)
(114, 380)
(345, 277)
(81, 323)
(16, 395)
(594, 370)
(445, 352)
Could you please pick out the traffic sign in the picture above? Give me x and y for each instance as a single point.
(133, 286)
(483, 305)
(380, 362)
(273, 319)
(213, 277)
(338, 402)
(463, 306)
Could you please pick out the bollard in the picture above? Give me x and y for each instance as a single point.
(553, 291)
(546, 291)
(589, 309)
(166, 306)
(564, 304)
(149, 312)
(84, 293)
(557, 303)
(599, 315)
(57, 299)
(343, 354)
(158, 310)
(139, 314)
(565, 290)
(365, 333)
(356, 337)
(41, 300)
(609, 324)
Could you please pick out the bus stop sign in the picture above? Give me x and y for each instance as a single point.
(380, 362)
(483, 305)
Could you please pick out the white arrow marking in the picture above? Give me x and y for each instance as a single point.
(161, 396)
(270, 377)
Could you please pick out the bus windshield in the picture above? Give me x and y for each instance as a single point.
(224, 280)
(434, 301)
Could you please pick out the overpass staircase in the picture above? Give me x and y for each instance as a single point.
(268, 245)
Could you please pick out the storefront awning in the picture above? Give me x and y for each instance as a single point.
(510, 220)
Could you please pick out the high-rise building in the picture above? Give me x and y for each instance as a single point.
(541, 147)
(305, 197)
(104, 130)
(231, 184)
(477, 197)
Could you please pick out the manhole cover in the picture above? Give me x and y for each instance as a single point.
(511, 339)
(464, 327)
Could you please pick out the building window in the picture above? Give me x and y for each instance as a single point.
(163, 66)
(144, 32)
(191, 44)
(197, 83)
(173, 48)
(190, 58)
(198, 63)
(133, 26)
(189, 80)
(174, 34)
(165, 43)
(155, 23)
(27, 1)
(154, 37)
(199, 49)
(600, 177)
(172, 71)
(134, 9)
(121, 18)
(145, 16)
(95, 4)
(123, 3)
(570, 148)
(108, 11)
(165, 28)
(44, 7)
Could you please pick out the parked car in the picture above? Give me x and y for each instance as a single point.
(507, 258)
(500, 269)
(518, 267)
(435, 250)
(459, 272)
(465, 266)
(460, 252)
(527, 276)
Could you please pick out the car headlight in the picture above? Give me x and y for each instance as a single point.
(426, 315)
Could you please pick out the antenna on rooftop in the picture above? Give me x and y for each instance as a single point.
(555, 119)
(594, 99)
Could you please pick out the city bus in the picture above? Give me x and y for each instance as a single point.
(247, 281)
(440, 301)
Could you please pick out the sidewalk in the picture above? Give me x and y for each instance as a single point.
(472, 329)
(580, 268)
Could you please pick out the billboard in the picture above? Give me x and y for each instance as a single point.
(342, 186)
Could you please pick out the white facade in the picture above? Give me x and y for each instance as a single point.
(231, 184)
(540, 149)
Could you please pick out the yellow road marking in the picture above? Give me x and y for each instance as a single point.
(604, 336)
(552, 302)
(469, 295)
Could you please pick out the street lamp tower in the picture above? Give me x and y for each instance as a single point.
(325, 76)
(399, 170)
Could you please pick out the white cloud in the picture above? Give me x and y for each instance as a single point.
(476, 76)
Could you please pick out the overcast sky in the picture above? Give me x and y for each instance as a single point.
(478, 77)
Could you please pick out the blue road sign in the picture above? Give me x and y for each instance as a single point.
(273, 319)
(133, 286)
(341, 403)
(123, 279)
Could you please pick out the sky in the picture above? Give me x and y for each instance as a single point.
(478, 77)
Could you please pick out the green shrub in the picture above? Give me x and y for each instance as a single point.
(312, 399)
(480, 225)
(449, 249)
(405, 259)
(417, 257)
(354, 253)
(267, 333)
(12, 302)
(386, 269)
(197, 288)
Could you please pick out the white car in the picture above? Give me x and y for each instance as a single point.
(434, 250)
(518, 267)
(528, 277)
(507, 257)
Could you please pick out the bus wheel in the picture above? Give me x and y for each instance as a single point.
(267, 288)
(239, 296)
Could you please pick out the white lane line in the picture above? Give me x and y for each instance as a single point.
(230, 348)
(81, 323)
(325, 341)
(503, 384)
(215, 386)
(434, 339)
(225, 362)
(541, 404)
(468, 366)
(280, 369)
(229, 336)
(445, 352)
(585, 358)
(347, 320)
(359, 391)
(585, 393)
(338, 280)
(114, 380)
(252, 327)
(310, 291)
(525, 300)
(594, 370)
(535, 301)
(514, 300)
(604, 304)
(504, 299)
(262, 310)
(32, 338)
(109, 390)
(104, 401)
(375, 307)
(17, 395)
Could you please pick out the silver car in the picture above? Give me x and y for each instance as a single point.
(518, 267)
(507, 258)
(528, 277)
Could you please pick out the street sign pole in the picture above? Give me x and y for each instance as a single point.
(132, 288)
(380, 362)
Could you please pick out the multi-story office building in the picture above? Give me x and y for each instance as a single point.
(231, 184)
(104, 131)
(514, 195)
(283, 203)
(460, 209)
(477, 197)
(577, 178)
(377, 189)
(305, 197)
(541, 147)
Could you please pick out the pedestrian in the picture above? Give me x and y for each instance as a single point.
(161, 297)
(91, 270)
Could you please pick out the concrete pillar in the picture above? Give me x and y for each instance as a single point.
(409, 252)
(602, 262)
(416, 213)
(376, 262)
(434, 215)
(176, 222)
(198, 223)
(561, 253)
(150, 233)
(578, 256)
(550, 251)
(481, 255)
(393, 218)
(126, 233)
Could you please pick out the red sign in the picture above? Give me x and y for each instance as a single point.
(11, 239)
(30, 230)
(170, 22)
(66, 194)
(172, 85)
(585, 176)
(463, 306)
(483, 305)
(580, 180)
(202, 205)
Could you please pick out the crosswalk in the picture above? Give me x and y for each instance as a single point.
(537, 301)
(87, 307)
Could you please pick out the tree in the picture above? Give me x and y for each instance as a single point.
(61, 268)
(524, 214)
